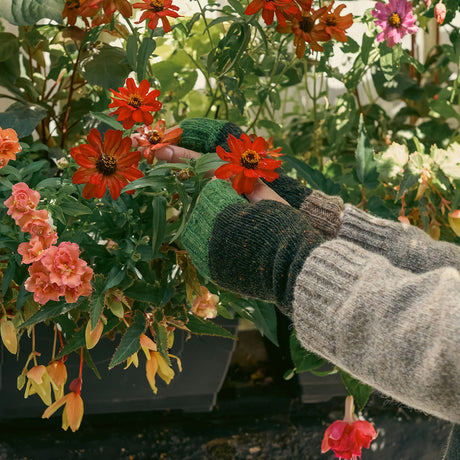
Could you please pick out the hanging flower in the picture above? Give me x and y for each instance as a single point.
(73, 410)
(123, 6)
(135, 103)
(395, 19)
(9, 146)
(440, 12)
(22, 200)
(83, 8)
(334, 24)
(347, 437)
(58, 375)
(38, 382)
(306, 30)
(156, 364)
(204, 304)
(155, 10)
(147, 140)
(248, 162)
(107, 163)
(281, 8)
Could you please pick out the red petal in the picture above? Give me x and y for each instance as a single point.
(227, 170)
(235, 145)
(254, 6)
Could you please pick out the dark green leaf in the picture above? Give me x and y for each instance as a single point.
(22, 118)
(75, 208)
(208, 162)
(146, 49)
(143, 292)
(158, 222)
(51, 310)
(366, 166)
(89, 361)
(28, 12)
(390, 59)
(23, 295)
(303, 360)
(357, 389)
(205, 327)
(408, 180)
(8, 275)
(9, 46)
(115, 277)
(131, 51)
(237, 7)
(161, 339)
(130, 342)
(108, 120)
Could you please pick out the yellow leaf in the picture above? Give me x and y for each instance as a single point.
(9, 337)
(151, 367)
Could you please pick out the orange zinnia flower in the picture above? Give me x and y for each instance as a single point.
(248, 162)
(334, 24)
(148, 140)
(9, 146)
(155, 10)
(306, 31)
(135, 103)
(83, 8)
(105, 164)
(123, 6)
(281, 8)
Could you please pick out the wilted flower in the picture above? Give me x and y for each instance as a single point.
(395, 19)
(135, 103)
(9, 146)
(440, 12)
(156, 364)
(205, 304)
(155, 10)
(83, 8)
(123, 6)
(347, 437)
(248, 162)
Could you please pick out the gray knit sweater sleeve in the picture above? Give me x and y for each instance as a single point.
(392, 329)
(405, 246)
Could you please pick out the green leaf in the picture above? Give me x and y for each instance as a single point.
(146, 49)
(366, 166)
(357, 389)
(89, 361)
(115, 277)
(200, 326)
(158, 222)
(390, 59)
(143, 292)
(27, 12)
(368, 44)
(131, 50)
(161, 339)
(303, 360)
(9, 46)
(50, 310)
(108, 67)
(408, 180)
(108, 120)
(22, 118)
(8, 275)
(130, 342)
(236, 4)
(444, 108)
(75, 208)
(208, 162)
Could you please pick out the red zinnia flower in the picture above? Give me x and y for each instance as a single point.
(135, 103)
(123, 6)
(347, 437)
(248, 162)
(281, 8)
(306, 30)
(147, 140)
(83, 8)
(334, 24)
(107, 163)
(155, 10)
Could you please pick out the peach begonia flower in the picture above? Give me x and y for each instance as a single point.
(22, 200)
(58, 375)
(33, 250)
(9, 146)
(59, 272)
(8, 335)
(92, 336)
(204, 305)
(73, 410)
(39, 382)
(156, 364)
(36, 222)
(440, 12)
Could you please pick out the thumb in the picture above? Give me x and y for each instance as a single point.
(262, 191)
(174, 154)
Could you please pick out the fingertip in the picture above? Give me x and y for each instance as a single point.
(262, 191)
(165, 153)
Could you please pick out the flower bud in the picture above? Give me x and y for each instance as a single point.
(92, 336)
(440, 12)
(427, 3)
(8, 334)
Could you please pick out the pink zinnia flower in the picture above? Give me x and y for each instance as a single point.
(395, 19)
(22, 200)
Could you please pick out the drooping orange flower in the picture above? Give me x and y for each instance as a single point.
(83, 8)
(135, 103)
(73, 410)
(248, 161)
(147, 140)
(306, 30)
(334, 24)
(347, 437)
(123, 6)
(107, 163)
(9, 146)
(282, 9)
(155, 10)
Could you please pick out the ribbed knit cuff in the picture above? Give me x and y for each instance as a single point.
(205, 134)
(324, 212)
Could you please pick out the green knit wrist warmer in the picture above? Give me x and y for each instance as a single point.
(205, 134)
(215, 197)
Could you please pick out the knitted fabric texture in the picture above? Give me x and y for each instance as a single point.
(258, 250)
(453, 444)
(214, 198)
(405, 246)
(324, 212)
(205, 134)
(392, 329)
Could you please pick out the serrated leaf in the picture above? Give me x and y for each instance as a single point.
(161, 339)
(360, 391)
(200, 326)
(130, 342)
(51, 310)
(27, 12)
(366, 166)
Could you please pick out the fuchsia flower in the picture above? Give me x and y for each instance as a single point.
(395, 19)
(347, 437)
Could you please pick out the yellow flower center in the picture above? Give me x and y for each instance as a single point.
(394, 20)
(157, 5)
(154, 137)
(306, 25)
(135, 101)
(250, 159)
(106, 165)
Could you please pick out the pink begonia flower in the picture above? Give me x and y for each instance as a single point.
(440, 12)
(395, 19)
(34, 249)
(59, 272)
(36, 222)
(205, 304)
(22, 200)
